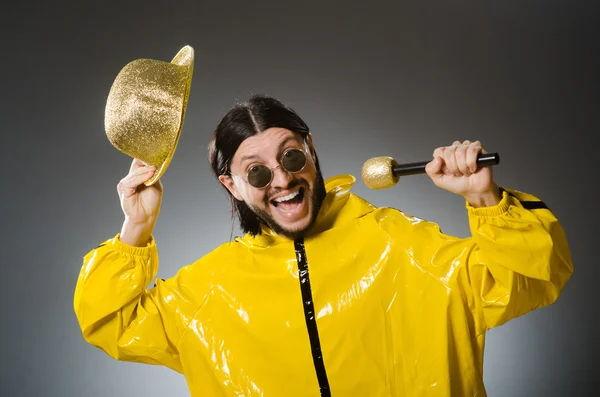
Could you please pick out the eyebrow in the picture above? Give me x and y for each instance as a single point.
(250, 157)
(255, 156)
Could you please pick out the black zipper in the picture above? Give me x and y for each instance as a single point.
(309, 316)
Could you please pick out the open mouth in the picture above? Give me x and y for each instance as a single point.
(290, 203)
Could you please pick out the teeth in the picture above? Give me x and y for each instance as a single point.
(288, 197)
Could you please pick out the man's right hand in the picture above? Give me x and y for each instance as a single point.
(140, 203)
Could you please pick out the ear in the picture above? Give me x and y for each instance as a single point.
(227, 181)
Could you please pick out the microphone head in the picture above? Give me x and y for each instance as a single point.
(377, 173)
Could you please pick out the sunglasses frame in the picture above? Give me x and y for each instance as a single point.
(280, 165)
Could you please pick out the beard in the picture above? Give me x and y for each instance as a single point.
(314, 196)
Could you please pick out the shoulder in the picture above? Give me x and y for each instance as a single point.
(399, 224)
(203, 270)
(221, 255)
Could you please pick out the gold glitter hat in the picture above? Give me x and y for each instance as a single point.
(146, 108)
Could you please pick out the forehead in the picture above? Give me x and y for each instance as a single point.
(265, 144)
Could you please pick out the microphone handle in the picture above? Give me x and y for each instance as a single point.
(483, 160)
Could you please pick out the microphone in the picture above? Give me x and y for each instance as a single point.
(384, 172)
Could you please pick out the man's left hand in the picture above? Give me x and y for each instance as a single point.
(454, 168)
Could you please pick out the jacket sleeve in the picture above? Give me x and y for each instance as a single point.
(520, 260)
(516, 260)
(118, 314)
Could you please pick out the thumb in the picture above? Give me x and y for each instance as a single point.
(434, 167)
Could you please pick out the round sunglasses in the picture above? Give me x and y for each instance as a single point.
(260, 176)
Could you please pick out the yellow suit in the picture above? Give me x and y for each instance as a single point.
(373, 303)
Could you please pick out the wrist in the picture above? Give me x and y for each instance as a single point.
(136, 234)
(489, 198)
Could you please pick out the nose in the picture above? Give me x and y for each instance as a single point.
(281, 178)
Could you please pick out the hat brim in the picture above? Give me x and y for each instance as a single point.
(185, 57)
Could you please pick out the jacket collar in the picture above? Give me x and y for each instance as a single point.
(339, 207)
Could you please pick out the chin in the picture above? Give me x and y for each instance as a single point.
(294, 231)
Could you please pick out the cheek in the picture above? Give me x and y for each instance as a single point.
(254, 196)
(309, 173)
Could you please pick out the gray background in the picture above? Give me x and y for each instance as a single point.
(374, 78)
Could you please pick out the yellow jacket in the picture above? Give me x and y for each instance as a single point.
(374, 303)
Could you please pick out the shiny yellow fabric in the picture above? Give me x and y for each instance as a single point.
(401, 308)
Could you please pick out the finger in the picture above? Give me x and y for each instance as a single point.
(137, 163)
(471, 156)
(482, 148)
(159, 185)
(438, 167)
(439, 152)
(461, 159)
(131, 182)
(450, 167)
(142, 170)
(434, 167)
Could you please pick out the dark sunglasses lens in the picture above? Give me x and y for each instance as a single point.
(293, 160)
(259, 176)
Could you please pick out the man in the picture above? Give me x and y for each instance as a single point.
(325, 294)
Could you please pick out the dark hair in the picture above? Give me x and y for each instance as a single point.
(244, 120)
